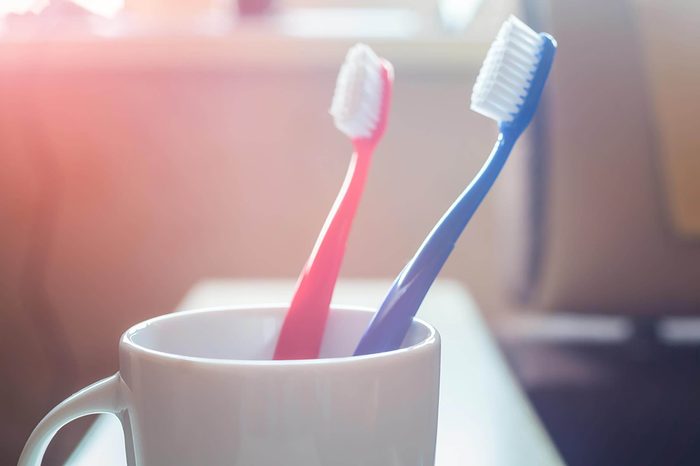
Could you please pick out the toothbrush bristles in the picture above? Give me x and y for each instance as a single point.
(357, 100)
(505, 76)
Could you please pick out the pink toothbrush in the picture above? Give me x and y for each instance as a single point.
(360, 108)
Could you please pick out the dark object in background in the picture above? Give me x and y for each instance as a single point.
(592, 234)
(255, 7)
(625, 403)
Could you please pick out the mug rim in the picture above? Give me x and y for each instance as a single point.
(127, 343)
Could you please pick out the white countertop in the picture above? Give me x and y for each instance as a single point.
(484, 419)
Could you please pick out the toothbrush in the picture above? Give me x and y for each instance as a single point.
(360, 109)
(507, 89)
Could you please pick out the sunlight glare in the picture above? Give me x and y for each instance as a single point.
(106, 8)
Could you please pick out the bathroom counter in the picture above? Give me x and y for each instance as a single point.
(485, 418)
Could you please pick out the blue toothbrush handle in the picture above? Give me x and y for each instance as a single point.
(391, 322)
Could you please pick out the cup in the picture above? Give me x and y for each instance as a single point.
(200, 388)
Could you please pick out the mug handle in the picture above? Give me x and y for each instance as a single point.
(104, 396)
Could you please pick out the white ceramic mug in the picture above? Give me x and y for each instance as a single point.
(199, 388)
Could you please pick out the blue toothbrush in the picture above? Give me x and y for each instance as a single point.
(507, 90)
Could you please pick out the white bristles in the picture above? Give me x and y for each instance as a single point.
(358, 94)
(505, 76)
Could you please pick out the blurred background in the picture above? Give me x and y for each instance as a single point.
(148, 144)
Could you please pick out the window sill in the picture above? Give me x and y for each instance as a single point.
(296, 38)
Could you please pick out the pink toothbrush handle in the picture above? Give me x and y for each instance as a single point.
(305, 322)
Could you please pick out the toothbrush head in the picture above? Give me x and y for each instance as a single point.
(511, 79)
(362, 94)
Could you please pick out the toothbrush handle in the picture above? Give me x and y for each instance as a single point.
(305, 321)
(391, 322)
